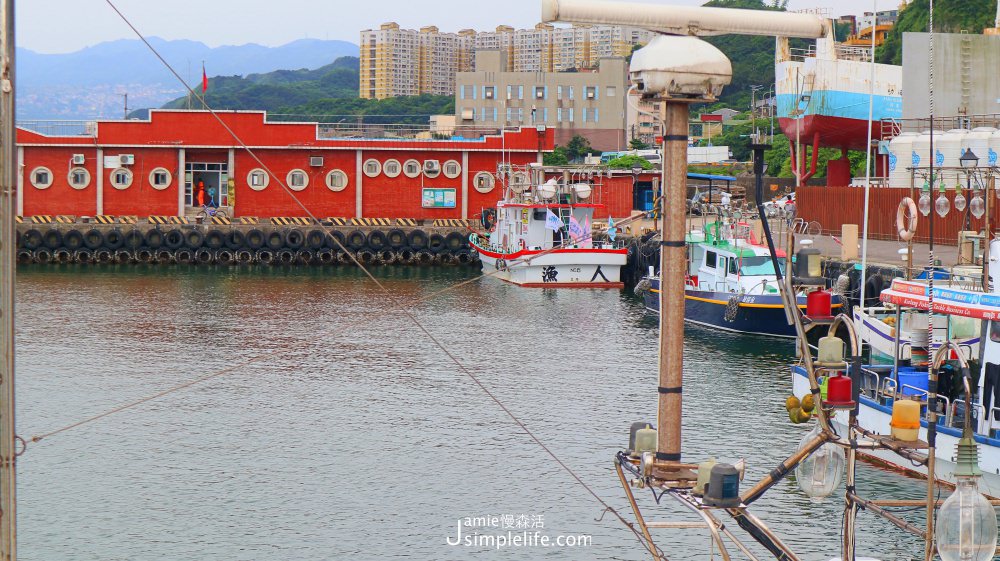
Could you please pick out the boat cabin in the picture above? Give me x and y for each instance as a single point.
(725, 257)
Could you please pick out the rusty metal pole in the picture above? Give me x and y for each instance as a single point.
(673, 267)
(8, 185)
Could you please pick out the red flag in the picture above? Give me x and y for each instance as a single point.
(204, 79)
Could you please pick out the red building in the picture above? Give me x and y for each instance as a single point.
(164, 165)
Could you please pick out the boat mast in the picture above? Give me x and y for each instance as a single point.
(8, 185)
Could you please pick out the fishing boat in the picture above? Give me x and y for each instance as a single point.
(883, 384)
(539, 235)
(731, 283)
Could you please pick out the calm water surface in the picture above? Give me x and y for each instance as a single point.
(356, 437)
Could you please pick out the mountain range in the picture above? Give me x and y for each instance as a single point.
(91, 83)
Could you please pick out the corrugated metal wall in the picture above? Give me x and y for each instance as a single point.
(833, 207)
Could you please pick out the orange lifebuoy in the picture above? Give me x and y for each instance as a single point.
(906, 229)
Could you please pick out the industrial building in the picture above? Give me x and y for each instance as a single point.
(590, 104)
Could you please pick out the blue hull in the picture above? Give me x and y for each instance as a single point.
(756, 314)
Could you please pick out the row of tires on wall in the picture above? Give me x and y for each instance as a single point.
(279, 246)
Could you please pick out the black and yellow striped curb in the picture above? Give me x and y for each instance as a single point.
(66, 219)
(406, 222)
(451, 223)
(128, 219)
(221, 220)
(250, 220)
(337, 221)
(159, 219)
(105, 219)
(291, 221)
(19, 220)
(41, 219)
(371, 222)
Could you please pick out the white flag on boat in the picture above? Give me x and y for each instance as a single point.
(575, 229)
(612, 232)
(588, 240)
(552, 221)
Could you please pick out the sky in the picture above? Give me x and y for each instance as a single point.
(61, 26)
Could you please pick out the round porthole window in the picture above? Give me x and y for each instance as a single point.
(121, 178)
(41, 177)
(452, 169)
(79, 178)
(257, 179)
(160, 178)
(412, 168)
(391, 168)
(297, 180)
(336, 180)
(372, 167)
(483, 182)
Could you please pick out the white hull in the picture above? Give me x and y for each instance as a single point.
(564, 268)
(873, 418)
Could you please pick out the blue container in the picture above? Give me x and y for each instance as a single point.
(908, 376)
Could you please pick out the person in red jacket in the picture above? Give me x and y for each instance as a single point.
(200, 193)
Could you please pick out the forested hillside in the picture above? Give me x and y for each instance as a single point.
(326, 94)
(950, 16)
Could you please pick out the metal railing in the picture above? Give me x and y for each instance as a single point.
(331, 131)
(59, 128)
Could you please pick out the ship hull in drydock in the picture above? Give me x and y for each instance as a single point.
(561, 268)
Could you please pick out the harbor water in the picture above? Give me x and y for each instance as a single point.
(351, 435)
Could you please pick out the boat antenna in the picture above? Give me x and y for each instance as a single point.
(931, 371)
(8, 174)
(868, 161)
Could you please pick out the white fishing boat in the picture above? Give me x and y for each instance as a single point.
(882, 384)
(540, 235)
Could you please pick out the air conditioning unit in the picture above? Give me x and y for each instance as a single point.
(316, 161)
(432, 167)
(590, 94)
(79, 159)
(126, 159)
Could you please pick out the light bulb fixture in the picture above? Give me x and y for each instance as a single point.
(942, 205)
(966, 528)
(977, 206)
(820, 473)
(959, 198)
(924, 204)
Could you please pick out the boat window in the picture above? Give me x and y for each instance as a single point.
(722, 265)
(733, 264)
(760, 265)
(995, 331)
(710, 259)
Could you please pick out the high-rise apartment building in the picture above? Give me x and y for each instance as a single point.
(398, 62)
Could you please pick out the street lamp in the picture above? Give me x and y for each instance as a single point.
(969, 162)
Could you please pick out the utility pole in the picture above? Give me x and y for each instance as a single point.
(125, 95)
(8, 174)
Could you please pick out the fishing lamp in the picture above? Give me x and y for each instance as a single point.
(633, 431)
(966, 524)
(959, 198)
(942, 205)
(838, 392)
(820, 473)
(905, 423)
(977, 206)
(808, 267)
(924, 204)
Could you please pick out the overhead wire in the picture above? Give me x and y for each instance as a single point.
(397, 304)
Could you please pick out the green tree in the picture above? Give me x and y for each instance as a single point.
(556, 158)
(637, 144)
(629, 161)
(950, 16)
(578, 147)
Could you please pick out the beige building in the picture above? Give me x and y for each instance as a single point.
(399, 62)
(642, 120)
(588, 103)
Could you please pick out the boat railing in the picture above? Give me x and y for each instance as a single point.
(889, 387)
(986, 420)
(924, 393)
(870, 384)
